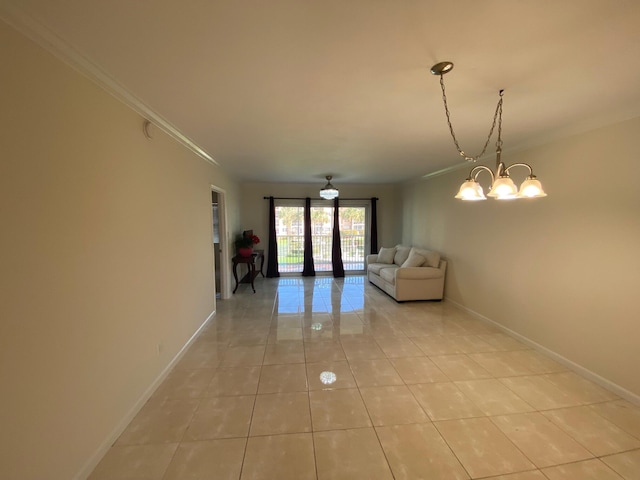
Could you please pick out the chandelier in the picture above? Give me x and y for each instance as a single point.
(329, 192)
(502, 186)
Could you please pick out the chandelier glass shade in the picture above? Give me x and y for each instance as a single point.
(502, 186)
(329, 192)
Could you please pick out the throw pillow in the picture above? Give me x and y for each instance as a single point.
(414, 260)
(386, 255)
(433, 258)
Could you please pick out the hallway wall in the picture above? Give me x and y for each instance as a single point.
(106, 264)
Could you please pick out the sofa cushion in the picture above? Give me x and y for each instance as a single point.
(419, 273)
(389, 274)
(432, 259)
(402, 253)
(414, 260)
(376, 267)
(386, 255)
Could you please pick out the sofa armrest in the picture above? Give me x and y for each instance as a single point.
(369, 259)
(418, 273)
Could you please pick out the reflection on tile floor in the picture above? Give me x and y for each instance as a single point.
(419, 390)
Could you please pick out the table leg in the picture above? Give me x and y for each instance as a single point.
(235, 275)
(252, 272)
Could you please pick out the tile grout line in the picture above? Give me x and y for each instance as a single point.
(450, 448)
(253, 408)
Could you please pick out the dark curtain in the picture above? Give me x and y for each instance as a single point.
(374, 225)
(336, 249)
(309, 269)
(272, 259)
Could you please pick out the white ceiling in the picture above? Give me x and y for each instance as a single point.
(290, 91)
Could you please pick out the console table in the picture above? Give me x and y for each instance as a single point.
(251, 266)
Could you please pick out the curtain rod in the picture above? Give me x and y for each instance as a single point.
(318, 198)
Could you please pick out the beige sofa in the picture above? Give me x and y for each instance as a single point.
(407, 273)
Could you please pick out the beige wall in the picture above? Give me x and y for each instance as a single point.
(105, 254)
(563, 271)
(254, 213)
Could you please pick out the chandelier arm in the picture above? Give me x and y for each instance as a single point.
(526, 165)
(475, 171)
(497, 113)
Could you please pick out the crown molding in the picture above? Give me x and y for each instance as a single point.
(47, 39)
(444, 171)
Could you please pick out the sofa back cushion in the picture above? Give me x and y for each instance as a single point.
(432, 259)
(386, 255)
(402, 253)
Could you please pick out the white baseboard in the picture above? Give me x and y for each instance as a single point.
(585, 372)
(93, 461)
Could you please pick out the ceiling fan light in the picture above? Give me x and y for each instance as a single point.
(329, 192)
(503, 189)
(531, 188)
(470, 190)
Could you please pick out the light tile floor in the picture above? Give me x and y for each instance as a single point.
(420, 390)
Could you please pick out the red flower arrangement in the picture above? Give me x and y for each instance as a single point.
(246, 241)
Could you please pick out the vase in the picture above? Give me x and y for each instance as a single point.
(245, 251)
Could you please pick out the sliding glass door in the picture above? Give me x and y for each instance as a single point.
(352, 237)
(290, 236)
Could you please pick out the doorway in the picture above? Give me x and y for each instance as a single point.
(220, 247)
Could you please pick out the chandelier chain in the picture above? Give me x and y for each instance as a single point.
(498, 113)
